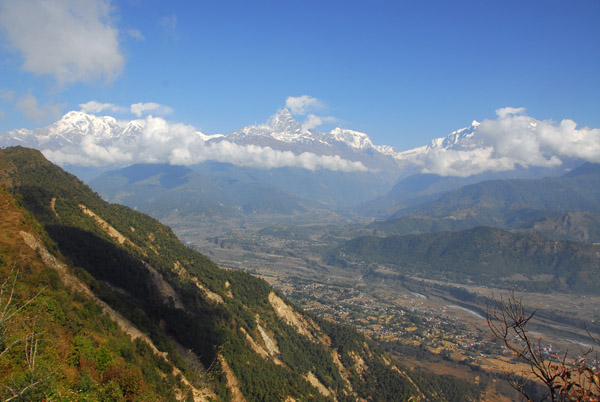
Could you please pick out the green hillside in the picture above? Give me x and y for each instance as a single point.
(230, 335)
(509, 200)
(78, 352)
(573, 225)
(508, 204)
(481, 255)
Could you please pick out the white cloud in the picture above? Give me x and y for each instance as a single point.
(164, 142)
(140, 109)
(464, 163)
(97, 107)
(302, 104)
(514, 139)
(71, 40)
(313, 121)
(265, 157)
(28, 105)
(508, 111)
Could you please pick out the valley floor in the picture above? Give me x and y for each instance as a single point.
(426, 324)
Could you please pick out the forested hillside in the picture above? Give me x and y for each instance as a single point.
(62, 344)
(480, 255)
(198, 331)
(515, 204)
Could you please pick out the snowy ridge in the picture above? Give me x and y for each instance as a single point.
(79, 124)
(281, 127)
(74, 126)
(512, 141)
(459, 139)
(284, 128)
(116, 140)
(353, 139)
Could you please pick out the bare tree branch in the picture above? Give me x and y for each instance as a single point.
(9, 311)
(563, 381)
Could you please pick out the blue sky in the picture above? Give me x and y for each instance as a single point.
(403, 72)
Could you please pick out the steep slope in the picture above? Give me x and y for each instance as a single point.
(59, 340)
(480, 255)
(254, 345)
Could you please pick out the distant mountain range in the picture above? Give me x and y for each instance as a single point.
(89, 133)
(101, 141)
(566, 207)
(282, 132)
(282, 159)
(88, 145)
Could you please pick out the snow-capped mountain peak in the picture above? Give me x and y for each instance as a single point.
(282, 127)
(353, 139)
(104, 136)
(284, 122)
(76, 124)
(458, 139)
(84, 123)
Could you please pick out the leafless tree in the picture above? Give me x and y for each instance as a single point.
(563, 379)
(9, 311)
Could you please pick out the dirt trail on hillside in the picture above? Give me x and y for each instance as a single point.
(323, 390)
(111, 231)
(232, 382)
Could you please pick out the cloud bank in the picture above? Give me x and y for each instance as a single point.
(71, 40)
(513, 139)
(162, 142)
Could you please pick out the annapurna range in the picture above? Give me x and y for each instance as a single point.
(78, 132)
(512, 146)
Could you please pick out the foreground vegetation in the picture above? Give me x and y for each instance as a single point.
(56, 344)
